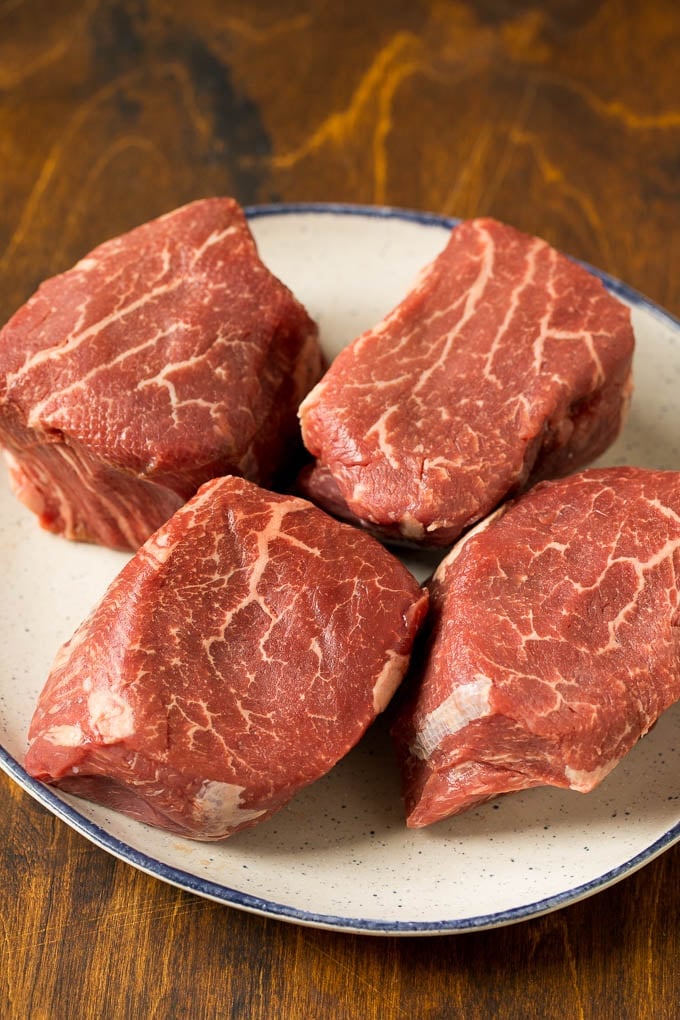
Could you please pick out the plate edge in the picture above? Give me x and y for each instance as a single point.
(246, 901)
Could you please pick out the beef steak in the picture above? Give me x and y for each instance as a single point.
(505, 364)
(554, 643)
(167, 356)
(240, 653)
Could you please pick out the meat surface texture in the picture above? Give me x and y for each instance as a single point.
(166, 357)
(240, 653)
(506, 363)
(554, 643)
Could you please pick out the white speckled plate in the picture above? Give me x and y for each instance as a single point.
(339, 856)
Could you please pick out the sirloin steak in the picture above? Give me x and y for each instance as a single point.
(240, 653)
(505, 364)
(165, 357)
(554, 643)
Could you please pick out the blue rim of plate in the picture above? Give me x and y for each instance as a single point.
(429, 219)
(268, 908)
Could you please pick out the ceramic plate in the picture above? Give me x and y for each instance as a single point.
(339, 856)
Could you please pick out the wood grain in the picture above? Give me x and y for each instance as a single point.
(561, 117)
(85, 932)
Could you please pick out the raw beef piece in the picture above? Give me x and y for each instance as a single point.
(505, 364)
(241, 652)
(164, 358)
(554, 643)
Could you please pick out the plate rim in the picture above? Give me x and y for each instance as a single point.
(431, 219)
(228, 896)
(251, 903)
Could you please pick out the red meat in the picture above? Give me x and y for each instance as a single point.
(241, 652)
(505, 364)
(554, 642)
(164, 358)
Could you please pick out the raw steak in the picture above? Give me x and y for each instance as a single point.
(554, 643)
(505, 364)
(165, 357)
(241, 652)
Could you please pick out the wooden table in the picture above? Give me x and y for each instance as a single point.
(562, 118)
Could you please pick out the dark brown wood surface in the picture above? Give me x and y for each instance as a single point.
(561, 117)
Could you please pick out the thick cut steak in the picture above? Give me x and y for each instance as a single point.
(240, 653)
(554, 643)
(164, 358)
(505, 364)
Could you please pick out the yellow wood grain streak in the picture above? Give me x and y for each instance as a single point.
(469, 177)
(11, 77)
(386, 93)
(8, 964)
(77, 123)
(110, 922)
(516, 130)
(53, 159)
(571, 963)
(246, 30)
(555, 177)
(372, 98)
(608, 109)
(343, 964)
(523, 39)
(616, 109)
(652, 938)
(95, 171)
